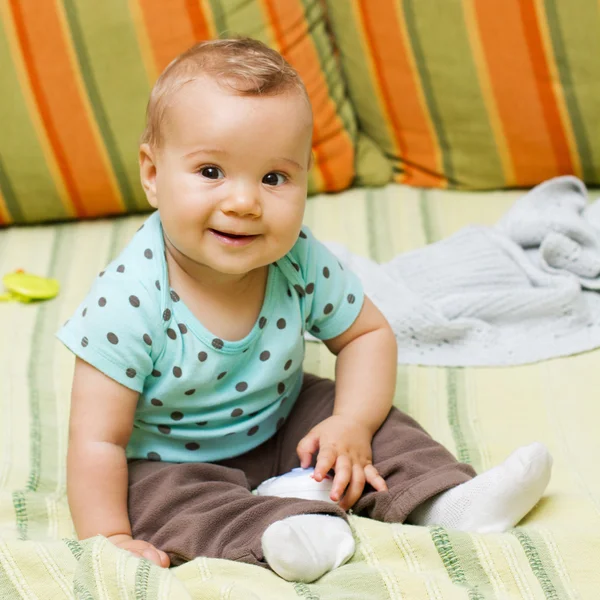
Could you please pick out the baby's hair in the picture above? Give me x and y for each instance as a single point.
(246, 66)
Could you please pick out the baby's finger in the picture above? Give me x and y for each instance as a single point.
(325, 461)
(153, 555)
(343, 474)
(164, 559)
(375, 479)
(355, 489)
(306, 448)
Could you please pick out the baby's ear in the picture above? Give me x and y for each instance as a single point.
(148, 173)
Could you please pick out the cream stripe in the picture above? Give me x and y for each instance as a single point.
(515, 569)
(97, 549)
(488, 565)
(54, 570)
(33, 111)
(164, 585)
(203, 568)
(122, 560)
(14, 573)
(558, 562)
(52, 516)
(372, 560)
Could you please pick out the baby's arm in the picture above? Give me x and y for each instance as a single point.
(101, 422)
(365, 383)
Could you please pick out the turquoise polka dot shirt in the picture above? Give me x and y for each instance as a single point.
(203, 398)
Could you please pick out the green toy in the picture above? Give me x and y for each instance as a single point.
(25, 287)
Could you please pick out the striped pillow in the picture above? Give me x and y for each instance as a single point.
(475, 93)
(75, 78)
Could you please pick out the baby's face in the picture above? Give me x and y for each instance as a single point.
(231, 175)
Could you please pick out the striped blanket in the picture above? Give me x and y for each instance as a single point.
(479, 414)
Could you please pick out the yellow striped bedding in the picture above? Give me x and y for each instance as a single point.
(475, 94)
(480, 414)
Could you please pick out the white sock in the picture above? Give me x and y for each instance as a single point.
(495, 500)
(305, 547)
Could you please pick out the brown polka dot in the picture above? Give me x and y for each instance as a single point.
(264, 355)
(310, 288)
(177, 371)
(131, 373)
(102, 301)
(328, 308)
(221, 375)
(121, 269)
(156, 402)
(164, 429)
(262, 322)
(157, 284)
(176, 415)
(167, 315)
(134, 301)
(315, 329)
(192, 446)
(112, 338)
(280, 387)
(175, 296)
(141, 227)
(148, 253)
(84, 342)
(288, 364)
(280, 423)
(242, 386)
(299, 289)
(153, 456)
(101, 274)
(202, 356)
(253, 430)
(302, 235)
(217, 343)
(351, 298)
(289, 293)
(296, 266)
(281, 324)
(147, 339)
(202, 423)
(182, 328)
(171, 333)
(236, 412)
(326, 272)
(190, 392)
(84, 312)
(156, 373)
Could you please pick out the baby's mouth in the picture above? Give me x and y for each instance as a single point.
(233, 236)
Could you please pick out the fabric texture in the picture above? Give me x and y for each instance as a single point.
(76, 76)
(479, 414)
(475, 95)
(523, 290)
(200, 509)
(197, 389)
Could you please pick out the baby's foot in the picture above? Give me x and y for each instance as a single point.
(495, 500)
(305, 547)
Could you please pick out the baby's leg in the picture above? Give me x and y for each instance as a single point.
(428, 486)
(204, 509)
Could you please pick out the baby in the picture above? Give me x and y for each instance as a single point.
(189, 390)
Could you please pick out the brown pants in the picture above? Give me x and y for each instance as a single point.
(207, 509)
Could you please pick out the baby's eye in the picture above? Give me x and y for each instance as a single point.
(211, 173)
(274, 179)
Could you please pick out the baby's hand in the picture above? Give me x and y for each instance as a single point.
(140, 548)
(344, 446)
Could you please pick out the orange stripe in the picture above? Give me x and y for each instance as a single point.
(396, 78)
(543, 80)
(334, 153)
(513, 81)
(62, 109)
(172, 31)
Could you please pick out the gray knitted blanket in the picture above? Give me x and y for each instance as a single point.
(524, 290)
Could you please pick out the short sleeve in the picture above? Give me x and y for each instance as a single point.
(333, 294)
(117, 329)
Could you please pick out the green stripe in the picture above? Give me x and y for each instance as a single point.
(430, 230)
(98, 108)
(27, 184)
(74, 546)
(220, 21)
(475, 579)
(303, 591)
(577, 59)
(10, 198)
(535, 547)
(449, 79)
(7, 588)
(21, 520)
(142, 575)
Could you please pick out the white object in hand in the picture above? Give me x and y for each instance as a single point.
(298, 483)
